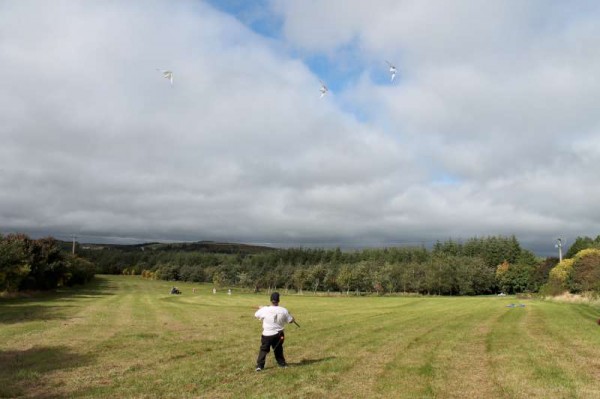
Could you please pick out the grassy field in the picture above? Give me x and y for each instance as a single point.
(125, 337)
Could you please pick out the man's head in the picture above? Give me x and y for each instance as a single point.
(275, 298)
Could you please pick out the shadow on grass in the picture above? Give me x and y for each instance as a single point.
(307, 362)
(96, 288)
(22, 313)
(24, 373)
(38, 306)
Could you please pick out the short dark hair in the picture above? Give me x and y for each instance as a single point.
(275, 297)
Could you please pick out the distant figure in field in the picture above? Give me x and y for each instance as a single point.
(274, 318)
(229, 291)
(214, 290)
(194, 290)
(175, 291)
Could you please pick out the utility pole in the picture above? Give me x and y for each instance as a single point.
(73, 245)
(559, 246)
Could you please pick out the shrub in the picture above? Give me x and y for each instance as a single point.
(560, 274)
(167, 271)
(80, 270)
(585, 275)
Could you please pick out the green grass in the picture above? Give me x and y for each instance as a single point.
(126, 337)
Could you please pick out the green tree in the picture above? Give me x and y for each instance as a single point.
(244, 279)
(382, 279)
(582, 243)
(79, 270)
(362, 276)
(316, 276)
(14, 267)
(300, 277)
(542, 272)
(27, 264)
(167, 271)
(220, 279)
(345, 278)
(47, 263)
(514, 279)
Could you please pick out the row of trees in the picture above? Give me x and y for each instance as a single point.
(27, 264)
(478, 266)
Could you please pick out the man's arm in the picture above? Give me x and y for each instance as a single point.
(294, 321)
(290, 318)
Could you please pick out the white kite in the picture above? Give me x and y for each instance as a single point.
(392, 71)
(166, 74)
(324, 89)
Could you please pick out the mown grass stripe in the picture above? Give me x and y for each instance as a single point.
(127, 337)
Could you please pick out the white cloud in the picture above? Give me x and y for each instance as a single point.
(492, 95)
(490, 127)
(97, 141)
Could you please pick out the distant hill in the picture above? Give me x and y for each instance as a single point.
(199, 246)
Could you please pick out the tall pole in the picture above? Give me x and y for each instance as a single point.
(559, 246)
(73, 245)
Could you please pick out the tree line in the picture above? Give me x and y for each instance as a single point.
(27, 264)
(477, 266)
(484, 265)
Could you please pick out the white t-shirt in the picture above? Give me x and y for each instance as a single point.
(274, 319)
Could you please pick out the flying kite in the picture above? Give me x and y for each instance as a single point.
(392, 71)
(166, 75)
(324, 89)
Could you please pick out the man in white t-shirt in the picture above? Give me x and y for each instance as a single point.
(274, 319)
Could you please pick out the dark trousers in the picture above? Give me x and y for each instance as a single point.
(268, 342)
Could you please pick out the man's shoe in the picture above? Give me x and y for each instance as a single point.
(259, 369)
(283, 366)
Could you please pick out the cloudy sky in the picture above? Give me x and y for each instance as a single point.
(490, 127)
